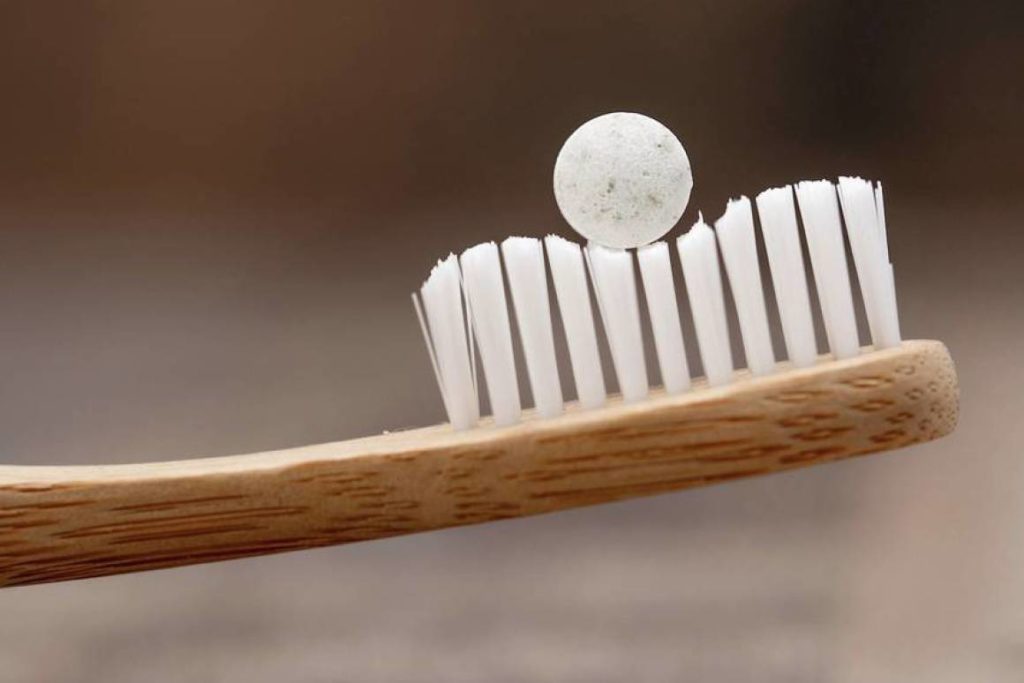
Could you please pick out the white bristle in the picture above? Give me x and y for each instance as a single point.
(421, 318)
(615, 284)
(786, 262)
(443, 305)
(819, 210)
(659, 287)
(890, 292)
(860, 212)
(735, 231)
(524, 263)
(883, 231)
(570, 278)
(699, 257)
(485, 290)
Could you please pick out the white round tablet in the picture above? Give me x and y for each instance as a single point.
(622, 180)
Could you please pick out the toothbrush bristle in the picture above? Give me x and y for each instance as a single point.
(889, 292)
(865, 233)
(698, 254)
(615, 286)
(524, 263)
(660, 290)
(485, 289)
(568, 272)
(463, 308)
(735, 231)
(443, 305)
(880, 209)
(789, 278)
(819, 210)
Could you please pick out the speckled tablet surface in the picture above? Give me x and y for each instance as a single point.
(622, 180)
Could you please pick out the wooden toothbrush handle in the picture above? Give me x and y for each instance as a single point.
(62, 523)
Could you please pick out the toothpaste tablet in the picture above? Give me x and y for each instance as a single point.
(622, 180)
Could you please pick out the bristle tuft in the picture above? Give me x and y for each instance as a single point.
(819, 210)
(735, 231)
(890, 291)
(570, 278)
(614, 281)
(786, 262)
(866, 235)
(659, 288)
(443, 306)
(698, 254)
(524, 263)
(485, 290)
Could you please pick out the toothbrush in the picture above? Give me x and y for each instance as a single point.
(63, 523)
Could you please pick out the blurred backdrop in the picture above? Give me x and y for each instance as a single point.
(211, 216)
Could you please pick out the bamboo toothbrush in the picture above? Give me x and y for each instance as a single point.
(62, 523)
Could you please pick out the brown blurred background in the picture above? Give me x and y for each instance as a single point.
(211, 215)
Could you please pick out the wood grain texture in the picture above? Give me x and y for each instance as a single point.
(63, 523)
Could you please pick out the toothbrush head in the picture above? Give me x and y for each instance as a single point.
(481, 318)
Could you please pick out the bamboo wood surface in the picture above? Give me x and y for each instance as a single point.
(63, 523)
